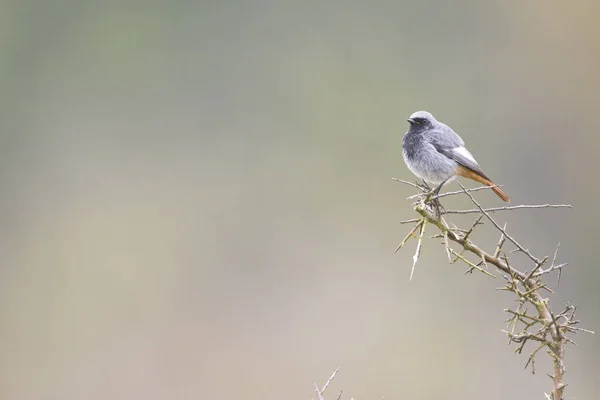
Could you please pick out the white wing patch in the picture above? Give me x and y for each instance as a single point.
(464, 153)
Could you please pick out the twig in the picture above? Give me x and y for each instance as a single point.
(415, 196)
(410, 221)
(552, 267)
(418, 250)
(320, 392)
(534, 259)
(447, 246)
(410, 184)
(536, 268)
(473, 226)
(439, 196)
(542, 326)
(560, 269)
(330, 379)
(470, 264)
(531, 358)
(500, 242)
(508, 208)
(412, 231)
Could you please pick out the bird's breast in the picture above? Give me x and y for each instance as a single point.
(423, 160)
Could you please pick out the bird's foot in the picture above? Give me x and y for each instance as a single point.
(433, 203)
(424, 186)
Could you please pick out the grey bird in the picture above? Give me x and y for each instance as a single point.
(436, 154)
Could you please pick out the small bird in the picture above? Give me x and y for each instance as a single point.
(436, 154)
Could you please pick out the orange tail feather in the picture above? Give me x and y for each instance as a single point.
(468, 173)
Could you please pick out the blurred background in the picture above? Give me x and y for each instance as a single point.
(197, 203)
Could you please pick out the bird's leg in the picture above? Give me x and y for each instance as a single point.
(436, 191)
(430, 197)
(435, 202)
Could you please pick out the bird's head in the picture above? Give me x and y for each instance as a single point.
(421, 120)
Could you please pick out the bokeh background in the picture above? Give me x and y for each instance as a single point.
(197, 203)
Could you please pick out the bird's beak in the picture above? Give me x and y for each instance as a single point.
(411, 121)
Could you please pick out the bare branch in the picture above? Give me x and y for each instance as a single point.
(415, 185)
(408, 236)
(508, 208)
(439, 196)
(531, 358)
(533, 319)
(447, 247)
(418, 250)
(320, 392)
(414, 196)
(410, 221)
(330, 379)
(500, 242)
(534, 259)
(470, 264)
(473, 226)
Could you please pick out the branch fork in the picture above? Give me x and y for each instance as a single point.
(533, 319)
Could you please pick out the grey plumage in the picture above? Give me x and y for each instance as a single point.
(436, 154)
(428, 148)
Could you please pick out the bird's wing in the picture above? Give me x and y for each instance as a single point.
(464, 157)
(452, 146)
(442, 137)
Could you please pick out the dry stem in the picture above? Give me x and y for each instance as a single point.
(547, 329)
(320, 392)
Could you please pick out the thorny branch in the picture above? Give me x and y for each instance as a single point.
(533, 320)
(494, 209)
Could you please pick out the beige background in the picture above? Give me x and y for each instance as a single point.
(197, 204)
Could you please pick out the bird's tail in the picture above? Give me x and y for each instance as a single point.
(469, 173)
(499, 192)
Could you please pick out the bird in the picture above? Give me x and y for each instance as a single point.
(437, 155)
